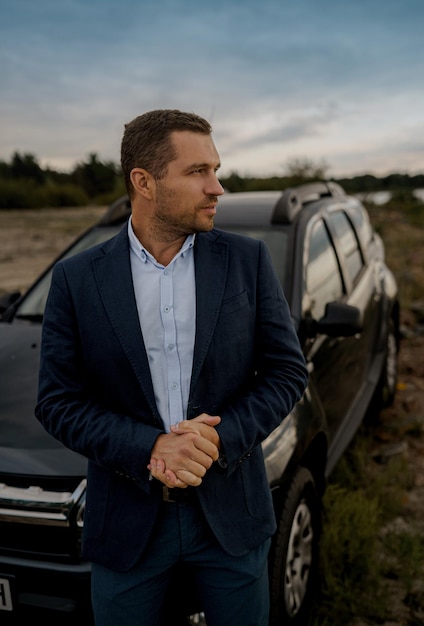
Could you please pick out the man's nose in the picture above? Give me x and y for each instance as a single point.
(214, 187)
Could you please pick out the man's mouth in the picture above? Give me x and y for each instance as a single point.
(210, 208)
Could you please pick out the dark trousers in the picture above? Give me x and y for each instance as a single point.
(232, 590)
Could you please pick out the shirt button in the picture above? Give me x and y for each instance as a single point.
(166, 309)
(174, 386)
(170, 346)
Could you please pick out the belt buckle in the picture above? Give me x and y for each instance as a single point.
(166, 496)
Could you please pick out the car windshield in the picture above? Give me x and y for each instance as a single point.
(33, 305)
(276, 241)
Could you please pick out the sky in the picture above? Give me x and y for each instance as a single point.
(339, 83)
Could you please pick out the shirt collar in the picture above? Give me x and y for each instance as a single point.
(143, 254)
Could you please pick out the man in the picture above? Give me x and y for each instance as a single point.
(168, 356)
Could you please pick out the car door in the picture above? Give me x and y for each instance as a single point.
(361, 287)
(336, 363)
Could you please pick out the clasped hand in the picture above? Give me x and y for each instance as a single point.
(183, 456)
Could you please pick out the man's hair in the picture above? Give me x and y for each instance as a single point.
(147, 141)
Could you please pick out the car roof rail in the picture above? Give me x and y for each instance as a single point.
(293, 199)
(117, 212)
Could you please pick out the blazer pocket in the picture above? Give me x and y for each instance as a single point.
(257, 494)
(235, 303)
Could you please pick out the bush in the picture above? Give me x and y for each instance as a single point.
(17, 194)
(349, 557)
(53, 195)
(26, 194)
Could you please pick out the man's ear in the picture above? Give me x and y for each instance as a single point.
(142, 181)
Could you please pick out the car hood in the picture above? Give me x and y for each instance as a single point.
(25, 447)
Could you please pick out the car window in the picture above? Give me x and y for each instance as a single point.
(349, 245)
(322, 274)
(33, 305)
(362, 224)
(276, 242)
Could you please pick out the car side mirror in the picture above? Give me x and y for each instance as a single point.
(339, 320)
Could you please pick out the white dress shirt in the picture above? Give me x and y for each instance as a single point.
(166, 304)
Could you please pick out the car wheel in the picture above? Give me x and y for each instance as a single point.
(389, 374)
(386, 388)
(294, 553)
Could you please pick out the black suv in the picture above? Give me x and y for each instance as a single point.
(344, 305)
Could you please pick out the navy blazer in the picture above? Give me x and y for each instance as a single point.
(96, 393)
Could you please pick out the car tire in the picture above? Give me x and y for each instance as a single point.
(293, 561)
(386, 388)
(389, 375)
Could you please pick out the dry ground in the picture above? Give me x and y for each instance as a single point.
(30, 239)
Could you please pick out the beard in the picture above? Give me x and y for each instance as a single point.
(171, 220)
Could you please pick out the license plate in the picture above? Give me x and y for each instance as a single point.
(5, 595)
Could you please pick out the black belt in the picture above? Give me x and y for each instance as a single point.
(178, 495)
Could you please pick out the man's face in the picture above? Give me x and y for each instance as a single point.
(187, 196)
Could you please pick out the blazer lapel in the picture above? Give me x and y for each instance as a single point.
(211, 266)
(112, 271)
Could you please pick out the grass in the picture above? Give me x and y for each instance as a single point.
(405, 552)
(362, 498)
(348, 548)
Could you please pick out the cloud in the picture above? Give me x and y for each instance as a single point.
(315, 78)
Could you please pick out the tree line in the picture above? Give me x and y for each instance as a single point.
(25, 184)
